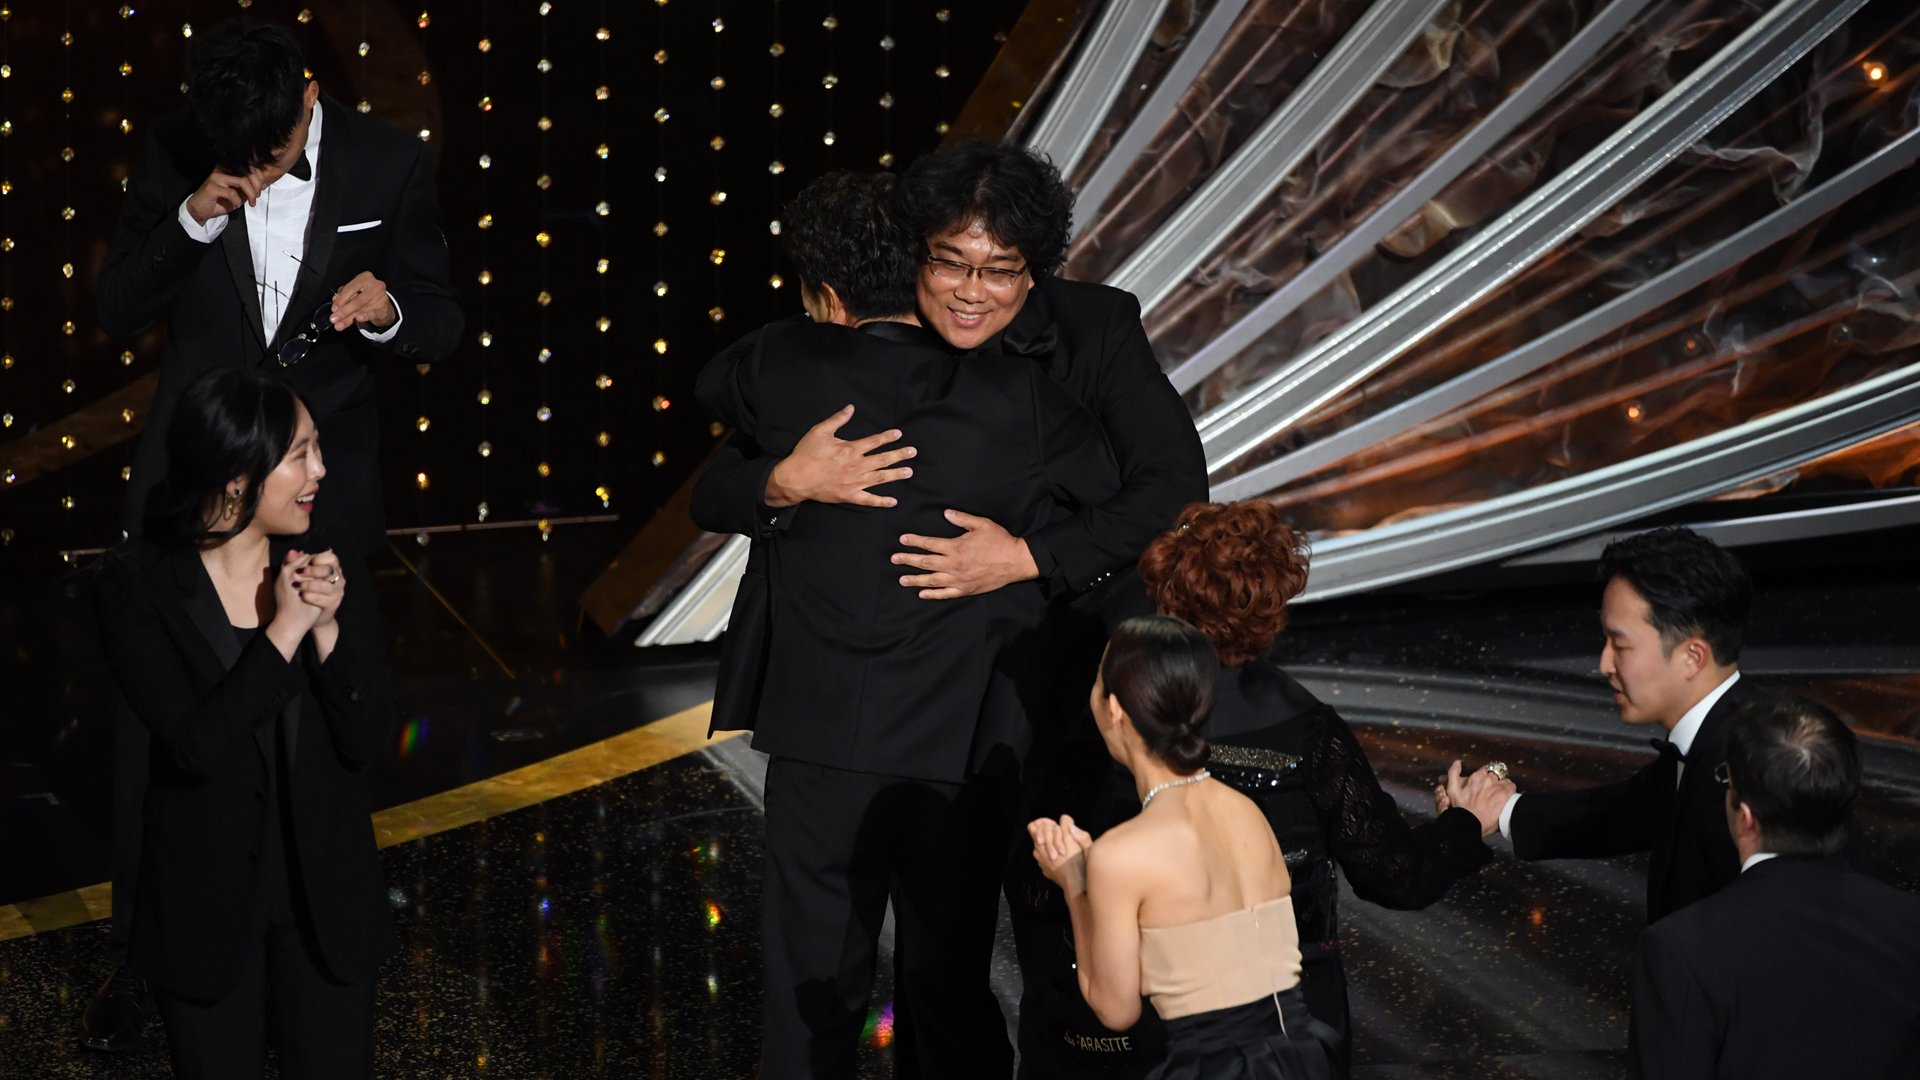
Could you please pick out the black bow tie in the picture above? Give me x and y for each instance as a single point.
(301, 169)
(1667, 749)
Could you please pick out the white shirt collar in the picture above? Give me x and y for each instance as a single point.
(1683, 732)
(1755, 859)
(312, 151)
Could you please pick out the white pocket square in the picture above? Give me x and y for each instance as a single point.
(361, 225)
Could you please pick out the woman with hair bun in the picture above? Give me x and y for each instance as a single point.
(1189, 902)
(1230, 570)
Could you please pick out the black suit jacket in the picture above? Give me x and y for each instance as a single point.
(1088, 339)
(1684, 830)
(1800, 968)
(210, 707)
(861, 673)
(369, 172)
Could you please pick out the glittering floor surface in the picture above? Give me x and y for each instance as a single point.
(613, 931)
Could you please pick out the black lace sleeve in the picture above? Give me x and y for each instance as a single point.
(1387, 861)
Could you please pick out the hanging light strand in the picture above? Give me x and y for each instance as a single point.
(483, 397)
(602, 381)
(543, 413)
(423, 393)
(662, 283)
(776, 168)
(8, 334)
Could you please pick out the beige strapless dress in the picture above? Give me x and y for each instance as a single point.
(1228, 989)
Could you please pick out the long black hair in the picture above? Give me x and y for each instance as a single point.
(1163, 671)
(228, 423)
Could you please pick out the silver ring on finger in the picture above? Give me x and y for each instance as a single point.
(1497, 770)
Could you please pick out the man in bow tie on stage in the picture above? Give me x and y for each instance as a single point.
(1673, 613)
(271, 227)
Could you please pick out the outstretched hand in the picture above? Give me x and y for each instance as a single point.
(1060, 847)
(984, 557)
(1481, 793)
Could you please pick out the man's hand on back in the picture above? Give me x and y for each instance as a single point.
(981, 559)
(825, 468)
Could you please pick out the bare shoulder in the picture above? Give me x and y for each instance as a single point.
(1128, 852)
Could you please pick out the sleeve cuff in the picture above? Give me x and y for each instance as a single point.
(1506, 816)
(381, 337)
(205, 234)
(1045, 564)
(768, 521)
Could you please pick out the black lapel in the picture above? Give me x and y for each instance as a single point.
(209, 617)
(203, 605)
(311, 287)
(240, 262)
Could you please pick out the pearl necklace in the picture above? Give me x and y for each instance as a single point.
(1158, 788)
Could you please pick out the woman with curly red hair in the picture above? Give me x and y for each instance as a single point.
(1230, 570)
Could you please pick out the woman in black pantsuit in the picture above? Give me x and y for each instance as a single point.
(261, 907)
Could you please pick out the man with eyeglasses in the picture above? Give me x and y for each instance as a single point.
(271, 227)
(868, 699)
(1801, 966)
(996, 221)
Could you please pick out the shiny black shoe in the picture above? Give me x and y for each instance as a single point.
(116, 1019)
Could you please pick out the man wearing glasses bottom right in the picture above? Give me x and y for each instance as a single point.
(1802, 966)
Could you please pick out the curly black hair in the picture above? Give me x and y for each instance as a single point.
(846, 230)
(1693, 586)
(1015, 193)
(247, 84)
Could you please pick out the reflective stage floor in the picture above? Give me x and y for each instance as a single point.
(576, 872)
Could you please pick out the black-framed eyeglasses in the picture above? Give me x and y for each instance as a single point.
(1721, 774)
(997, 278)
(295, 349)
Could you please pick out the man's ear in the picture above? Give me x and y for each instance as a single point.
(313, 92)
(836, 311)
(1697, 654)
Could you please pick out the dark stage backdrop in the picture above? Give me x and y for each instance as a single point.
(611, 173)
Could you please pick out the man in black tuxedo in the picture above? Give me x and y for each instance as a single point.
(1801, 967)
(871, 699)
(999, 211)
(995, 221)
(1673, 612)
(272, 227)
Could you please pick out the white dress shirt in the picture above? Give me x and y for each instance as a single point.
(1756, 859)
(276, 234)
(1681, 737)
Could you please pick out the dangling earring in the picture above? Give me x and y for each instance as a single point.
(230, 506)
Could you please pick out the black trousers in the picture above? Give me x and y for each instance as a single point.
(840, 845)
(322, 1029)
